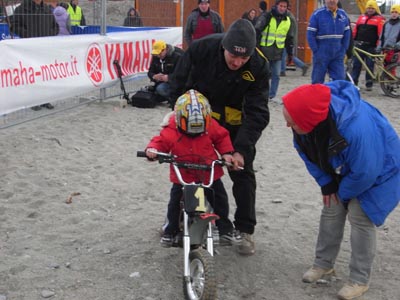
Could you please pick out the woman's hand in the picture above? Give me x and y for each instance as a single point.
(328, 198)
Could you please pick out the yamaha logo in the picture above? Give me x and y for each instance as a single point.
(94, 64)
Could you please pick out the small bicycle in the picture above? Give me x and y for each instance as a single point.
(388, 76)
(199, 282)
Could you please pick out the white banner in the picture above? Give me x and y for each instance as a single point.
(39, 70)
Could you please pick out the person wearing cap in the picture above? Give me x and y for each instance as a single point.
(202, 21)
(229, 71)
(390, 36)
(353, 153)
(275, 31)
(163, 62)
(328, 35)
(366, 35)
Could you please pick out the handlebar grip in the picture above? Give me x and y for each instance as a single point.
(141, 154)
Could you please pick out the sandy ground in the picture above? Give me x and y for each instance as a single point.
(104, 245)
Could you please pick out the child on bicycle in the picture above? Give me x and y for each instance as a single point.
(194, 136)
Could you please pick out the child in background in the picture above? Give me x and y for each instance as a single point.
(193, 135)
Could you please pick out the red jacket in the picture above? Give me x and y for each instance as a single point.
(368, 29)
(199, 149)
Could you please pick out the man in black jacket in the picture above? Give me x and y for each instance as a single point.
(163, 62)
(233, 75)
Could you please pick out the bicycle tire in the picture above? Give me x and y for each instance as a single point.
(202, 283)
(390, 87)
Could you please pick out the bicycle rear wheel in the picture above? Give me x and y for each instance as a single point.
(390, 86)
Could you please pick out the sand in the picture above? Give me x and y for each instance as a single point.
(105, 243)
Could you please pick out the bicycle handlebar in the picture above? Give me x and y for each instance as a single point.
(161, 156)
(169, 158)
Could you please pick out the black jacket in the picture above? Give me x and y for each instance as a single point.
(133, 21)
(203, 68)
(167, 65)
(33, 20)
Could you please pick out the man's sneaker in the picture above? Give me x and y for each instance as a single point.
(316, 273)
(275, 100)
(246, 245)
(283, 74)
(304, 70)
(167, 240)
(230, 238)
(351, 291)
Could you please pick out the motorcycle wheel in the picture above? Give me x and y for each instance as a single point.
(202, 282)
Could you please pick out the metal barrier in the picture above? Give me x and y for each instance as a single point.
(153, 13)
(96, 17)
(27, 114)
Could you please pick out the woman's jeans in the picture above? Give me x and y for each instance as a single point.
(362, 239)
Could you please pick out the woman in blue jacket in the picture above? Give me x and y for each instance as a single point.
(353, 153)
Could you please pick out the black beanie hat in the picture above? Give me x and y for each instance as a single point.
(200, 1)
(240, 39)
(263, 5)
(279, 1)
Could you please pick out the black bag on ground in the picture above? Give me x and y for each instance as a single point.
(144, 99)
(147, 97)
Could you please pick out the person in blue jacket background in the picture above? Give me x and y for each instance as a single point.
(328, 35)
(353, 153)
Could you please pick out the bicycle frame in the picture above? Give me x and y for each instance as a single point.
(378, 59)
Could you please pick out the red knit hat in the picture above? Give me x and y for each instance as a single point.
(308, 105)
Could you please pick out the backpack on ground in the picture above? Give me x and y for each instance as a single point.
(144, 98)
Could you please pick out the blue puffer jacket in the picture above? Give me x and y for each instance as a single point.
(370, 164)
(328, 36)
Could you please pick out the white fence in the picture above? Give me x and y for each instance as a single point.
(70, 70)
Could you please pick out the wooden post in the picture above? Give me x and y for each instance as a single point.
(178, 13)
(221, 5)
(305, 10)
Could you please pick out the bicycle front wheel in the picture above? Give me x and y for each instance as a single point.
(390, 86)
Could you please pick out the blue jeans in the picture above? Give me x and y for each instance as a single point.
(362, 239)
(355, 74)
(297, 61)
(163, 89)
(275, 66)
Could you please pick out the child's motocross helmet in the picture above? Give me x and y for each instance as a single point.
(192, 113)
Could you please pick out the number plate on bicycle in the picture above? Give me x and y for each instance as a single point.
(195, 199)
